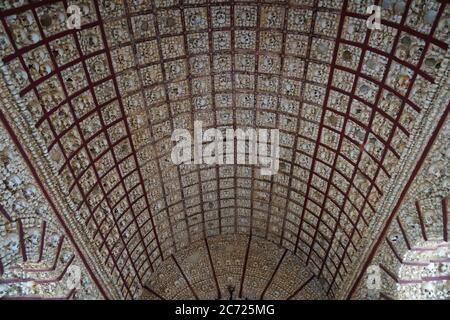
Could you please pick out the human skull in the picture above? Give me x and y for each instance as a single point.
(4, 289)
(13, 182)
(29, 288)
(65, 256)
(54, 240)
(20, 204)
(428, 290)
(29, 190)
(35, 235)
(11, 243)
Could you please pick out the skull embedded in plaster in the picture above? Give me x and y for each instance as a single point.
(428, 290)
(4, 289)
(29, 190)
(29, 288)
(13, 182)
(20, 204)
(54, 240)
(443, 252)
(40, 211)
(6, 156)
(35, 235)
(444, 268)
(11, 243)
(65, 256)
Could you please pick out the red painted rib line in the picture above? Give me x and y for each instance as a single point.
(292, 296)
(440, 260)
(65, 268)
(385, 296)
(38, 280)
(4, 213)
(445, 218)
(405, 236)
(153, 292)
(58, 252)
(41, 245)
(273, 274)
(55, 260)
(185, 278)
(233, 106)
(23, 248)
(244, 268)
(422, 225)
(437, 278)
(216, 281)
(400, 200)
(389, 273)
(49, 200)
(417, 264)
(394, 251)
(71, 294)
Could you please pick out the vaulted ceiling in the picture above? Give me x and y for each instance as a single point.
(91, 113)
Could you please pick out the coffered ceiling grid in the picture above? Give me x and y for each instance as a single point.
(364, 48)
(417, 228)
(407, 94)
(34, 89)
(345, 103)
(192, 110)
(214, 107)
(296, 139)
(285, 12)
(143, 192)
(105, 194)
(103, 237)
